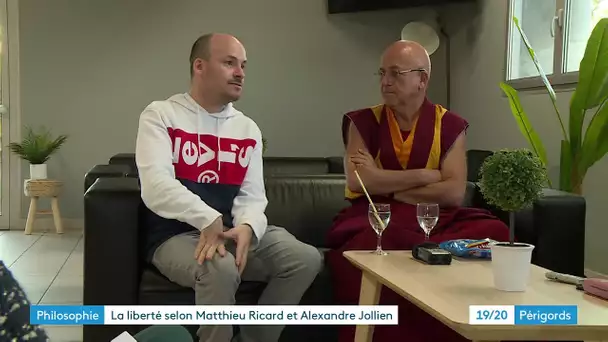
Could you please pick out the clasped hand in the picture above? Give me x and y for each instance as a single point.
(363, 159)
(212, 240)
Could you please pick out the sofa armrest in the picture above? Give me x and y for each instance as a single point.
(125, 159)
(111, 210)
(555, 225)
(105, 171)
(559, 221)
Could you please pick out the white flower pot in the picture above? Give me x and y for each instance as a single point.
(511, 265)
(38, 171)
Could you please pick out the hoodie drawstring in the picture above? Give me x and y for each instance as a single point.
(217, 133)
(217, 130)
(198, 131)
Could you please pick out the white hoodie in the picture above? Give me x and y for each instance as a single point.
(223, 176)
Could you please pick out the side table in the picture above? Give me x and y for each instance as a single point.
(43, 188)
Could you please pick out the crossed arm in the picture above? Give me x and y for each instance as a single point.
(446, 187)
(450, 190)
(378, 181)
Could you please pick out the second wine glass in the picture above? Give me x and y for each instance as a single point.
(428, 215)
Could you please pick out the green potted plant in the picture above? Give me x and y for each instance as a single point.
(579, 151)
(512, 180)
(37, 148)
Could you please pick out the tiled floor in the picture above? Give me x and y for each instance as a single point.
(50, 269)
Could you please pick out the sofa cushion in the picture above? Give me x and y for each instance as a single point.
(305, 205)
(295, 165)
(475, 159)
(469, 195)
(336, 164)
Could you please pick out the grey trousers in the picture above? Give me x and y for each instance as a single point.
(288, 265)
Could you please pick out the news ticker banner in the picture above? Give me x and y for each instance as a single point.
(213, 315)
(285, 315)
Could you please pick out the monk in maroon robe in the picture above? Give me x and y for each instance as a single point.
(407, 150)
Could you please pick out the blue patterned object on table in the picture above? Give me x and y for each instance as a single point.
(466, 248)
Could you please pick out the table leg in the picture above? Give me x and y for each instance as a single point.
(56, 215)
(31, 216)
(369, 295)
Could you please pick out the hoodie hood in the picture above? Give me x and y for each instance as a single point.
(186, 101)
(203, 117)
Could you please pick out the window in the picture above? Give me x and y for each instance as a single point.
(558, 31)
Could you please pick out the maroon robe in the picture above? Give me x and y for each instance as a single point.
(352, 231)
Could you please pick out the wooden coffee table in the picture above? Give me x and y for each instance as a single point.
(446, 292)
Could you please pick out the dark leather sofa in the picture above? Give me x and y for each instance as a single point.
(304, 195)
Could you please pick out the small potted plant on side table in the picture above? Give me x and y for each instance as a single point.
(512, 180)
(37, 148)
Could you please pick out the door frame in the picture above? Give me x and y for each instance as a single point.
(12, 181)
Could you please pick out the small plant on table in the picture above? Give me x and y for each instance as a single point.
(37, 148)
(512, 180)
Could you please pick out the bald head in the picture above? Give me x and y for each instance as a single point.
(405, 70)
(407, 54)
(205, 45)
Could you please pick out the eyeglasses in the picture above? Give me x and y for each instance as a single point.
(393, 74)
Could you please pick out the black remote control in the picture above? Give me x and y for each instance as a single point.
(430, 253)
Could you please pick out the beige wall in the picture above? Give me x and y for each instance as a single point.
(88, 68)
(478, 61)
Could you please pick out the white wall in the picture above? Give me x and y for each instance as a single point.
(478, 60)
(88, 68)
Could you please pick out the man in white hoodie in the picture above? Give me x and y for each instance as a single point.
(200, 168)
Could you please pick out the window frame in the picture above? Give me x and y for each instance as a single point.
(559, 79)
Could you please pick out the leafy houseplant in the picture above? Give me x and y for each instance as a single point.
(512, 180)
(264, 145)
(37, 148)
(578, 152)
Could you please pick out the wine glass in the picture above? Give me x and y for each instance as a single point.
(428, 215)
(379, 222)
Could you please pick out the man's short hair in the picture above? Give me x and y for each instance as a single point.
(200, 49)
